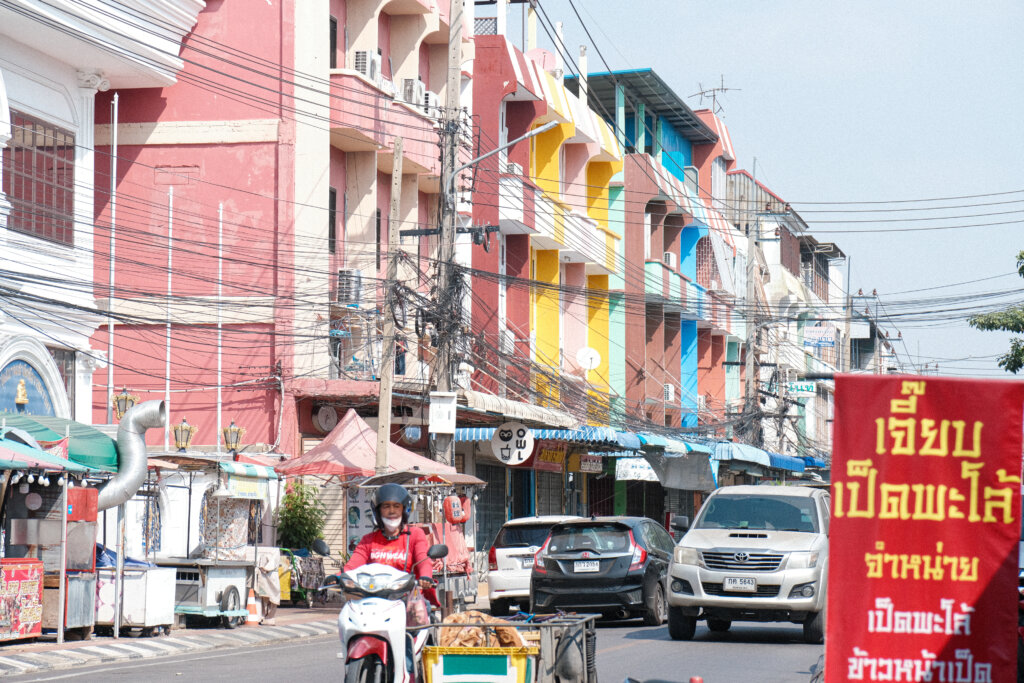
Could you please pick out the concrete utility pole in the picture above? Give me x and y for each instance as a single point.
(449, 216)
(389, 340)
(750, 403)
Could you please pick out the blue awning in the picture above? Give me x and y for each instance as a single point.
(786, 462)
(473, 433)
(813, 462)
(741, 451)
(648, 439)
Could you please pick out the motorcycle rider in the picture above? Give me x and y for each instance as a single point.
(393, 542)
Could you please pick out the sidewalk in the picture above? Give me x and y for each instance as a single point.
(291, 623)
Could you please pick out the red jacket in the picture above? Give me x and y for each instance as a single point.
(403, 552)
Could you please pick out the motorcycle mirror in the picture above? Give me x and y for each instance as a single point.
(436, 552)
(320, 547)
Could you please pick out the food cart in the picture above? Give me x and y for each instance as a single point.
(210, 532)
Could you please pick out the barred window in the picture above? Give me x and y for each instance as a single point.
(39, 179)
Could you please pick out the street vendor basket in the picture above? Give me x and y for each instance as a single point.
(480, 664)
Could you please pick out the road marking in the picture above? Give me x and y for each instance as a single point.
(133, 664)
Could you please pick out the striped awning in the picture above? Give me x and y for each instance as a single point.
(590, 436)
(244, 469)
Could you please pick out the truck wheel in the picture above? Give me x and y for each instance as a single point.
(814, 628)
(655, 613)
(499, 607)
(680, 626)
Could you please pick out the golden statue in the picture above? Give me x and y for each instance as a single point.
(21, 397)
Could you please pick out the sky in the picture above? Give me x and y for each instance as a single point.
(853, 112)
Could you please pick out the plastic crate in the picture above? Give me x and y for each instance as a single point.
(480, 664)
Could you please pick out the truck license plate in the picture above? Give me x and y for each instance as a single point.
(739, 584)
(586, 566)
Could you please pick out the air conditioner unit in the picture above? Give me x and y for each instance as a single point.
(715, 285)
(350, 286)
(670, 393)
(514, 169)
(431, 102)
(362, 62)
(669, 259)
(702, 403)
(375, 74)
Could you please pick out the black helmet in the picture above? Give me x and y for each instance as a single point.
(390, 493)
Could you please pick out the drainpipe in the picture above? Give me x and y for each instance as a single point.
(131, 449)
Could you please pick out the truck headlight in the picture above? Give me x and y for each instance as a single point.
(685, 555)
(803, 560)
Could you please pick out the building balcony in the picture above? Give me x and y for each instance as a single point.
(365, 117)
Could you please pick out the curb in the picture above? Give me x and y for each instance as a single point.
(110, 650)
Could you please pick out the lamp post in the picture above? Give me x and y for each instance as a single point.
(233, 437)
(123, 402)
(183, 434)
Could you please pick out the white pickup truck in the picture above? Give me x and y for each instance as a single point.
(753, 553)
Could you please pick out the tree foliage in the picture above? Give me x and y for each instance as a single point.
(1008, 320)
(300, 517)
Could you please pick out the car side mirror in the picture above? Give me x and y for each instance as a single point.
(436, 552)
(680, 522)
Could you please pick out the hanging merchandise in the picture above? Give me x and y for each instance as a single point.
(467, 507)
(454, 511)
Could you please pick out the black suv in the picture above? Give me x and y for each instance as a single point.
(614, 566)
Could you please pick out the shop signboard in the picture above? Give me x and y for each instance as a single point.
(925, 526)
(550, 457)
(586, 463)
(21, 598)
(512, 443)
(251, 488)
(359, 517)
(823, 336)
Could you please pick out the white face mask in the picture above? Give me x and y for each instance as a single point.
(391, 524)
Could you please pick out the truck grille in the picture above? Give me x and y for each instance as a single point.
(763, 591)
(742, 561)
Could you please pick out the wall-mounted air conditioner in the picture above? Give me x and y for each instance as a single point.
(507, 342)
(431, 103)
(413, 91)
(368, 64)
(669, 259)
(670, 393)
(702, 403)
(514, 169)
(350, 286)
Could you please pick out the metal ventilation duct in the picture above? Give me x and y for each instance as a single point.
(131, 452)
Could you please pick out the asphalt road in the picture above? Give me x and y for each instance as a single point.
(766, 653)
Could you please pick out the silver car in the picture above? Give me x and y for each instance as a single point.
(754, 553)
(510, 560)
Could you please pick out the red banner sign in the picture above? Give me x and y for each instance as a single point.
(922, 582)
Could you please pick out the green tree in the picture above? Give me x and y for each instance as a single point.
(300, 517)
(1008, 320)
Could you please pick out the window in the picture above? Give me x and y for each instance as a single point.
(334, 43)
(65, 361)
(332, 220)
(39, 179)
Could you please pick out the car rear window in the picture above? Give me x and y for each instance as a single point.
(522, 535)
(599, 537)
(759, 512)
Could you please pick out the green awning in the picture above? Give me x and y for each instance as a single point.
(87, 446)
(41, 456)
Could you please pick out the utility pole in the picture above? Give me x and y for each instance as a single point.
(449, 314)
(751, 399)
(387, 354)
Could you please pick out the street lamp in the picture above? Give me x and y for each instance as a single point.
(183, 435)
(123, 402)
(233, 437)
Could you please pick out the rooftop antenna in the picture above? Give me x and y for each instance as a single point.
(712, 94)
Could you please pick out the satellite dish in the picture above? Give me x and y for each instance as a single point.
(588, 358)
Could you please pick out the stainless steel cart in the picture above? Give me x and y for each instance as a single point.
(214, 589)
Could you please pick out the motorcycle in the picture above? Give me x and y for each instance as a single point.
(372, 623)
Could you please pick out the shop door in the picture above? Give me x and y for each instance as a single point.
(601, 495)
(490, 506)
(645, 499)
(521, 504)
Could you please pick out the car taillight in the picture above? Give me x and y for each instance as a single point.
(639, 554)
(492, 560)
(538, 559)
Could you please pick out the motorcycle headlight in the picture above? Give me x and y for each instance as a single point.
(684, 555)
(376, 583)
(803, 560)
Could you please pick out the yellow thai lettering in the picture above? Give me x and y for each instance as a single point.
(930, 434)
